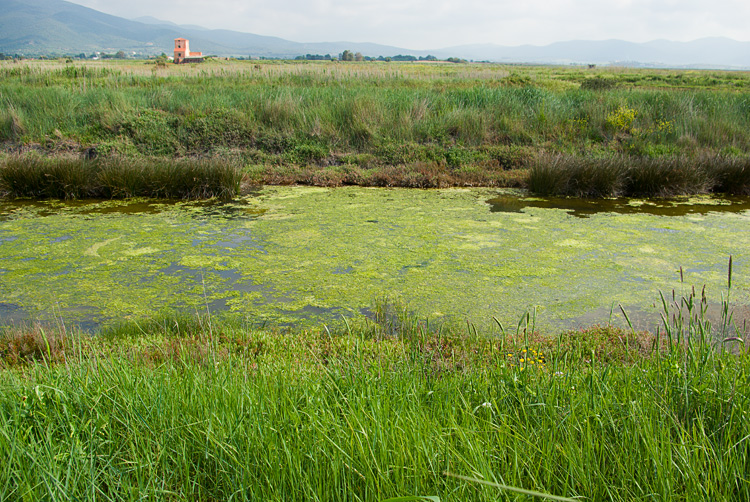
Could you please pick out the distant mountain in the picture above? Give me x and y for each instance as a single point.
(37, 27)
(707, 53)
(153, 20)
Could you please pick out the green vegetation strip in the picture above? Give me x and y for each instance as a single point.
(190, 409)
(415, 125)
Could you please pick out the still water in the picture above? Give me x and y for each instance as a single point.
(290, 255)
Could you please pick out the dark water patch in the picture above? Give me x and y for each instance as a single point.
(10, 313)
(584, 208)
(342, 270)
(12, 209)
(421, 264)
(203, 209)
(664, 230)
(197, 275)
(240, 239)
(84, 318)
(232, 210)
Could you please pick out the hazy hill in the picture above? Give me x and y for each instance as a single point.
(34, 27)
(706, 52)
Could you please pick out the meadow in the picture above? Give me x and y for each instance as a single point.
(384, 409)
(386, 124)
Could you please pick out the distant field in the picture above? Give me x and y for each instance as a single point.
(409, 124)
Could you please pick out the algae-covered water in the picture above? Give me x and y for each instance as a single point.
(292, 254)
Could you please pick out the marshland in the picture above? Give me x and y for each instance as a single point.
(369, 281)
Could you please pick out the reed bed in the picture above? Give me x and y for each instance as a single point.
(589, 176)
(72, 178)
(189, 408)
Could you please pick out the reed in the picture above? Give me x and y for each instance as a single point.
(71, 178)
(637, 176)
(731, 174)
(667, 177)
(578, 176)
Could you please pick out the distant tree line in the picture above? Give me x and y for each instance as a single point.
(348, 55)
(82, 55)
(315, 57)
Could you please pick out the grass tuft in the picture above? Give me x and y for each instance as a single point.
(67, 178)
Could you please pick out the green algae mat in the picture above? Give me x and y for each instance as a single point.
(289, 255)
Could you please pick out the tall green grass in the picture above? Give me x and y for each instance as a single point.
(657, 132)
(192, 409)
(361, 108)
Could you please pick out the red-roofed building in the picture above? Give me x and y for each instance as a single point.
(182, 52)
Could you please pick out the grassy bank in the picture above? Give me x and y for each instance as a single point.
(374, 123)
(190, 409)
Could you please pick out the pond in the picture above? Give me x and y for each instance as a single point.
(290, 255)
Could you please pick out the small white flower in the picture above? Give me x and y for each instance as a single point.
(485, 404)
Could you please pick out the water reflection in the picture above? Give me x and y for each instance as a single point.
(583, 208)
(212, 208)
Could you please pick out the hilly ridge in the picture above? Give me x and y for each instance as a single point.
(35, 27)
(40, 27)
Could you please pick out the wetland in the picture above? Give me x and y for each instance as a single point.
(336, 342)
(291, 255)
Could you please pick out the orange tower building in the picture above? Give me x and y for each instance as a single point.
(182, 52)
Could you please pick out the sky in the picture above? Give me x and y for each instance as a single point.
(435, 24)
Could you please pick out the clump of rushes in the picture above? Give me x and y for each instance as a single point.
(68, 178)
(578, 176)
(730, 174)
(668, 176)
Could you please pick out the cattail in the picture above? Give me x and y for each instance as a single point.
(729, 274)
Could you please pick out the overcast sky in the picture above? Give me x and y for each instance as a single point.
(433, 24)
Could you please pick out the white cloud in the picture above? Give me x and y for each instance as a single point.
(423, 24)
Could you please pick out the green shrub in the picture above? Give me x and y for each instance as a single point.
(153, 132)
(203, 133)
(598, 84)
(457, 157)
(509, 156)
(307, 153)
